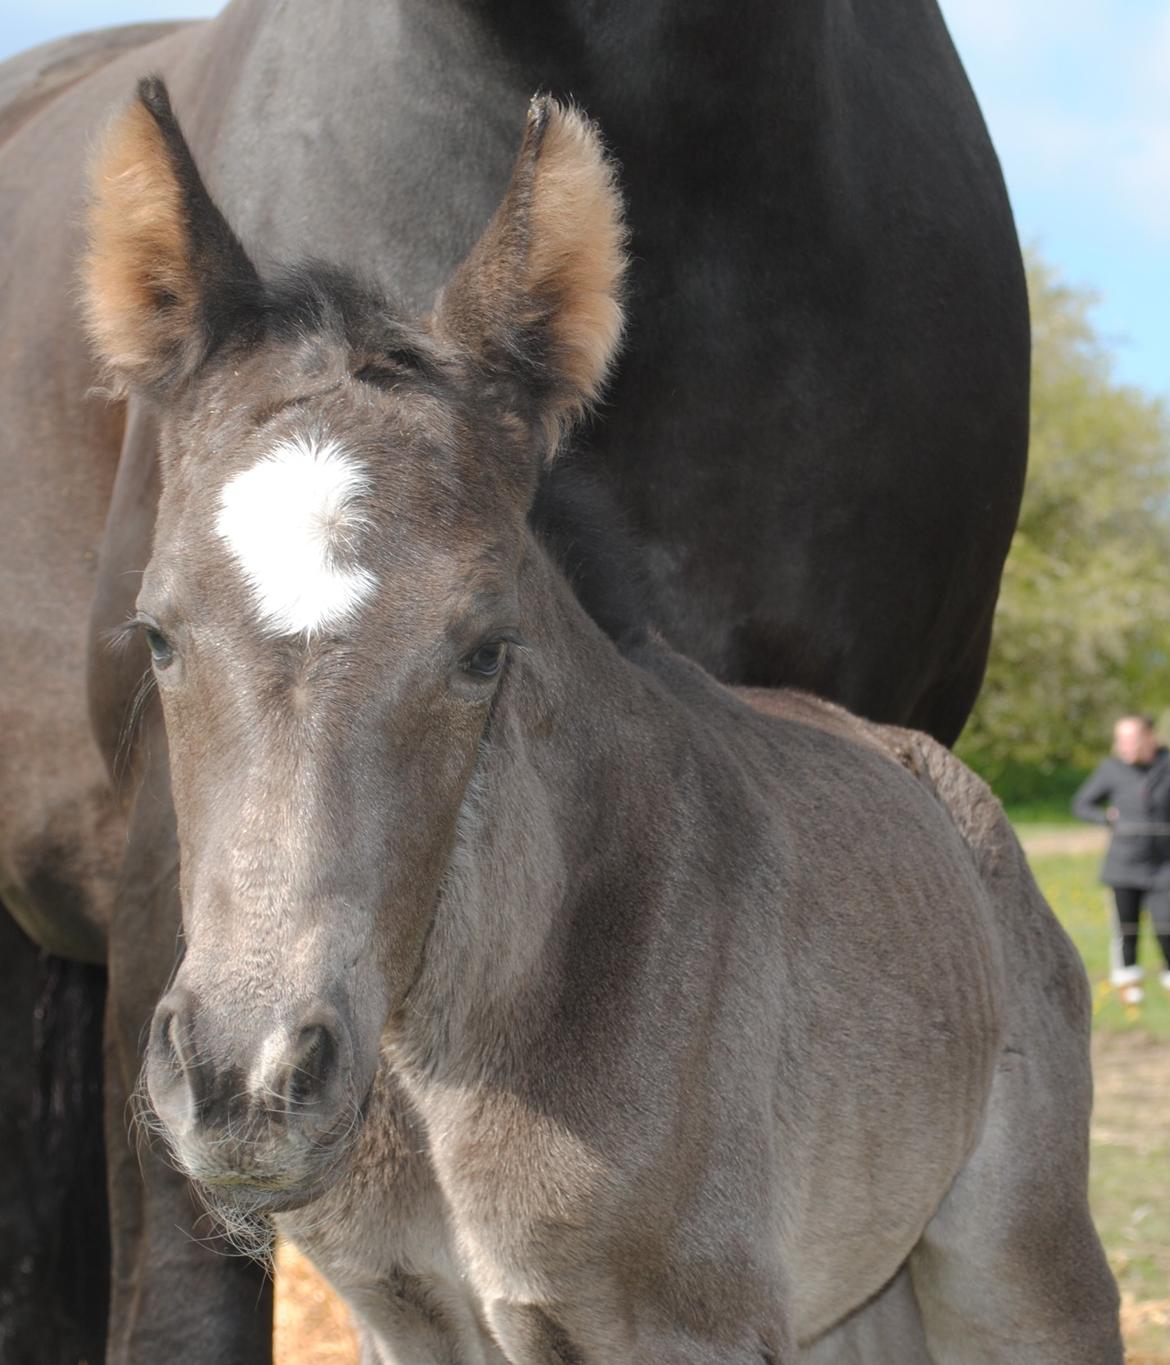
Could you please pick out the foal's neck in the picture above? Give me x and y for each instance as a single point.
(564, 821)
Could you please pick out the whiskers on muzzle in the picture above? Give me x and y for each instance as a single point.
(239, 1226)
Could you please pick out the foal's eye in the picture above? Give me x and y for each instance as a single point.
(487, 660)
(161, 652)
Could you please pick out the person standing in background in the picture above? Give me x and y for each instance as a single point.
(1130, 792)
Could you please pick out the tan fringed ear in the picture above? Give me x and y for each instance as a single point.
(164, 274)
(541, 291)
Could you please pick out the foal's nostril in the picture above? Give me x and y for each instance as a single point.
(172, 1032)
(175, 1080)
(313, 1062)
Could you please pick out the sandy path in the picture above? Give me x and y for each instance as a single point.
(312, 1325)
(1047, 842)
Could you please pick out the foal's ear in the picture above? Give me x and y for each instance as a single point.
(165, 278)
(539, 297)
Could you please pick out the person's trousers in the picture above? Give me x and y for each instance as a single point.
(1130, 901)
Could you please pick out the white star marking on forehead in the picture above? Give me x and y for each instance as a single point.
(289, 521)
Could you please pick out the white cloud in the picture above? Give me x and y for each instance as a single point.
(1078, 105)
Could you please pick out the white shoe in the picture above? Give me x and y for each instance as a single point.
(1128, 981)
(1165, 980)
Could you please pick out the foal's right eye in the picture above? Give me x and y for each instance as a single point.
(161, 652)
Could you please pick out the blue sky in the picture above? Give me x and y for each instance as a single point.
(1077, 96)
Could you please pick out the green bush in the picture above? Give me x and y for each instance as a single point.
(1035, 794)
(1082, 631)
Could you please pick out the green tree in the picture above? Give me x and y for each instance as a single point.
(1082, 630)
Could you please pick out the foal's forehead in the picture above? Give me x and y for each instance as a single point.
(338, 501)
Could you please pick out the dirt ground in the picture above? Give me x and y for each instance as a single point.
(1131, 1203)
(312, 1325)
(1130, 1183)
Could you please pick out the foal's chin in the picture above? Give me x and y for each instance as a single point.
(230, 1200)
(275, 1172)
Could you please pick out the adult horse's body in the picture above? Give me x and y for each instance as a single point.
(818, 431)
(645, 966)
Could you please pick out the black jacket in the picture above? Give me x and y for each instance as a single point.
(1139, 852)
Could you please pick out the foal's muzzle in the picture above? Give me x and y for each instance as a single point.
(267, 1115)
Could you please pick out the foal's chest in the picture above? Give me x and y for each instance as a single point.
(528, 1194)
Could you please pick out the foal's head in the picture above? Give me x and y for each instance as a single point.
(330, 602)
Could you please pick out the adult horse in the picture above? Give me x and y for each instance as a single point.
(818, 430)
(647, 966)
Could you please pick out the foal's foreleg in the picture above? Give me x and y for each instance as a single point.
(412, 1334)
(886, 1329)
(532, 1335)
(382, 1237)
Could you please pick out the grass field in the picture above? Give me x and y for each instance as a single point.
(1069, 880)
(1130, 1175)
(1130, 1172)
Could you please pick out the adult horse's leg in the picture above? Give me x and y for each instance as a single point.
(1010, 1270)
(54, 1260)
(174, 1299)
(61, 833)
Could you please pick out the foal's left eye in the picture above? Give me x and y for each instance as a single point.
(161, 652)
(487, 660)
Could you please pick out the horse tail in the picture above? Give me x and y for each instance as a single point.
(54, 1221)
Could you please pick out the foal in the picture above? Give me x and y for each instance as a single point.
(679, 1028)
